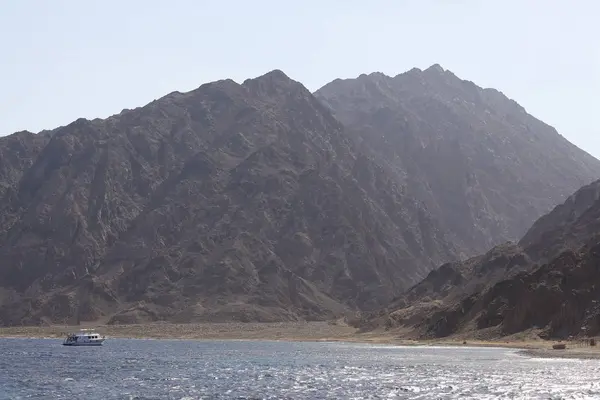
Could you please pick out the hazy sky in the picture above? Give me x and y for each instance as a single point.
(65, 59)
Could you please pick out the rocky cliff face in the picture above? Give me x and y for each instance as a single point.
(546, 282)
(475, 158)
(232, 201)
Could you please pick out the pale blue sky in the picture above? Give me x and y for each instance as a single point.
(65, 59)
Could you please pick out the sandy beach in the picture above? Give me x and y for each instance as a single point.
(297, 331)
(309, 331)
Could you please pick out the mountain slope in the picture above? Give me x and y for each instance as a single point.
(548, 281)
(479, 162)
(232, 201)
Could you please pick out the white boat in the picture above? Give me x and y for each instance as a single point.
(85, 337)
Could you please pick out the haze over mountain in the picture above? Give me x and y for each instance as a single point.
(259, 201)
(477, 160)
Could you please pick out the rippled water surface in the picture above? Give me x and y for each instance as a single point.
(164, 369)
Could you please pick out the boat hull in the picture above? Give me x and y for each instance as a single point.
(83, 344)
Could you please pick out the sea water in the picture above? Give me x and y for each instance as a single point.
(176, 369)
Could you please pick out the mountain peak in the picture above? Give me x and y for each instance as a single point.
(275, 81)
(275, 75)
(436, 68)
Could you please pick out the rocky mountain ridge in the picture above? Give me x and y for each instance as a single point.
(253, 202)
(232, 201)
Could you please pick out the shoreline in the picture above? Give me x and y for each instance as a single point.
(320, 331)
(569, 353)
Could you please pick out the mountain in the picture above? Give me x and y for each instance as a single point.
(230, 202)
(547, 283)
(478, 161)
(263, 202)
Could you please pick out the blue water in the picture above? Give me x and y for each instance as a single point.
(169, 369)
